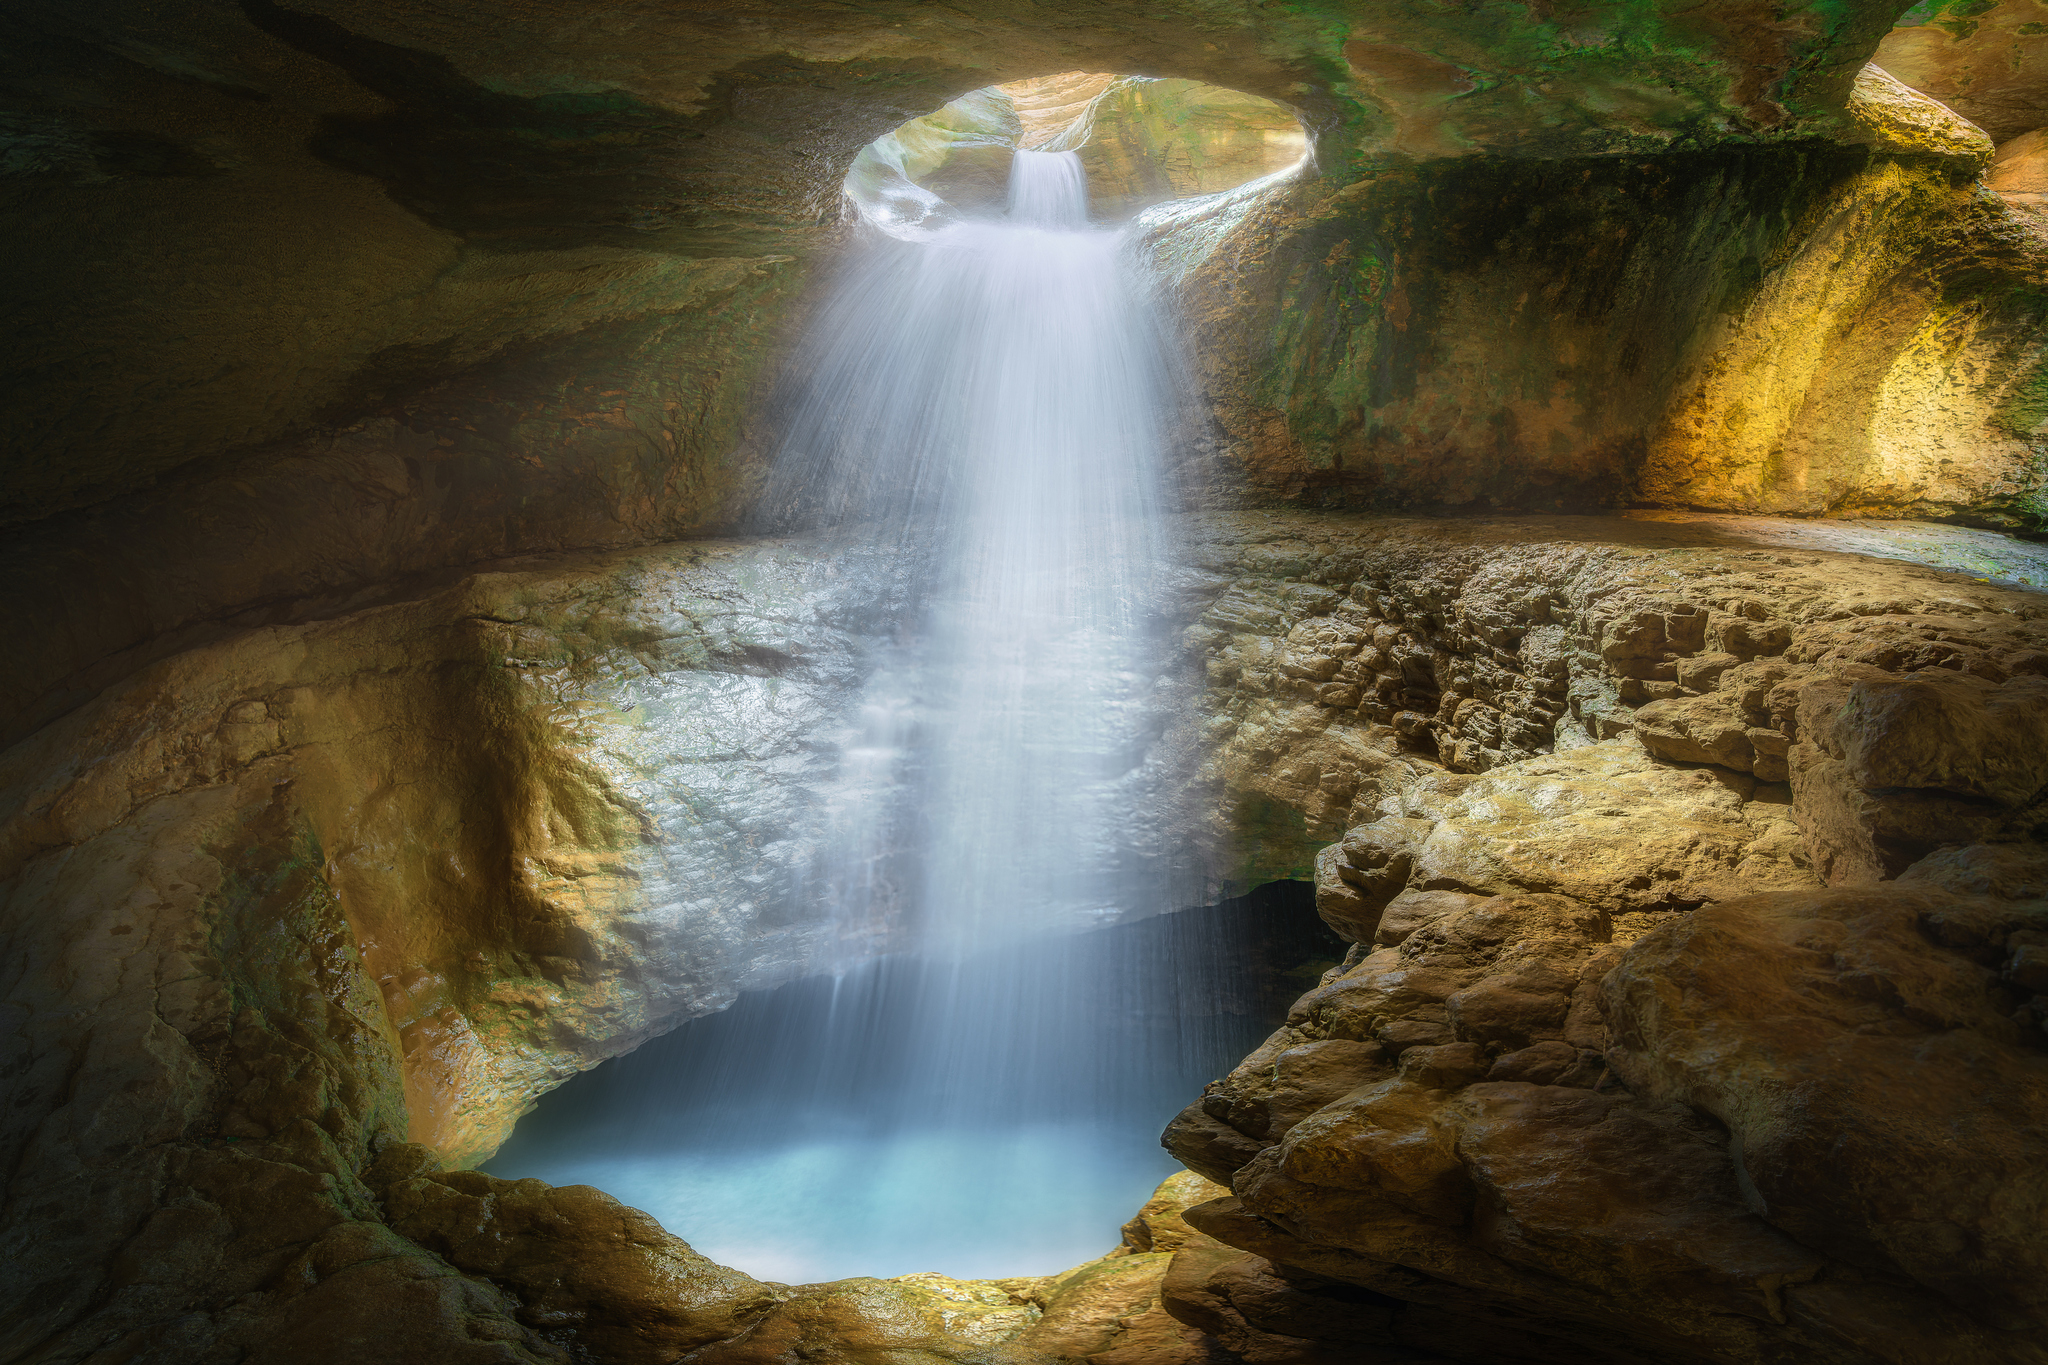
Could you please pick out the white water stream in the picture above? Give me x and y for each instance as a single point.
(969, 1085)
(997, 393)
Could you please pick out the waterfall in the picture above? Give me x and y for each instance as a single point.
(970, 1083)
(993, 397)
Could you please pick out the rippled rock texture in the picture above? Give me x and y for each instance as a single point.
(1648, 1050)
(311, 298)
(284, 901)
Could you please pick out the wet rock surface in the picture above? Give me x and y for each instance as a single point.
(251, 959)
(326, 828)
(310, 299)
(1694, 1088)
(433, 187)
(1734, 1139)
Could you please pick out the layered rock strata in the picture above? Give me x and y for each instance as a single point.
(1714, 1034)
(312, 298)
(1797, 1125)
(281, 901)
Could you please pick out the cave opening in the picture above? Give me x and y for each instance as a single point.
(1000, 1014)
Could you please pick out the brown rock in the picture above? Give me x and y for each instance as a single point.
(1085, 1308)
(578, 1258)
(1496, 1012)
(1612, 827)
(913, 1320)
(1412, 910)
(1946, 733)
(1159, 1224)
(1448, 1066)
(1855, 835)
(1207, 1145)
(1696, 730)
(1552, 1062)
(1156, 1337)
(2013, 872)
(1841, 1036)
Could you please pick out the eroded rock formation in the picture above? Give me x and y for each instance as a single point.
(255, 953)
(1611, 1074)
(1733, 1138)
(370, 359)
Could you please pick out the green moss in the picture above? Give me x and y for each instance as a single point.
(1274, 843)
(1438, 332)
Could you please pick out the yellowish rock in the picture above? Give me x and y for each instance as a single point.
(1890, 116)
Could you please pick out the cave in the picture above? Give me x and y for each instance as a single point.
(1137, 683)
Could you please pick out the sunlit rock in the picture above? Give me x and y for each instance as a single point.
(1891, 116)
(405, 709)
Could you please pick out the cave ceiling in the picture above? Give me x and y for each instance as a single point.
(240, 219)
(410, 703)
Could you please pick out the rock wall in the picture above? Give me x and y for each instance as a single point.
(1646, 1052)
(286, 904)
(1986, 61)
(310, 298)
(1810, 331)
(331, 827)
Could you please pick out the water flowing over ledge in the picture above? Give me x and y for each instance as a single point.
(993, 399)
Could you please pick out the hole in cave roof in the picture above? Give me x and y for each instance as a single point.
(1142, 140)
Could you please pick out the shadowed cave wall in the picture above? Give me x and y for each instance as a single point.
(392, 387)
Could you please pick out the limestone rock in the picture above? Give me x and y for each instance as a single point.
(256, 953)
(914, 1320)
(2019, 173)
(1087, 1308)
(1412, 910)
(1891, 116)
(1606, 824)
(2013, 872)
(1470, 649)
(1108, 1311)
(1610, 826)
(1492, 980)
(1159, 1225)
(1264, 1312)
(1987, 65)
(575, 1257)
(1841, 1037)
(1958, 735)
(1105, 1311)
(1760, 1163)
(1888, 768)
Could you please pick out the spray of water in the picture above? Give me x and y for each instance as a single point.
(992, 397)
(995, 397)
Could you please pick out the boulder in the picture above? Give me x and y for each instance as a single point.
(1882, 1079)
(576, 1258)
(1803, 1124)
(1891, 116)
(1610, 825)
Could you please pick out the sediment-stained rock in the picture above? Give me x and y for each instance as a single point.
(254, 950)
(1802, 1124)
(1581, 1092)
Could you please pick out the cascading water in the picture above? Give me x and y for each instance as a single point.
(994, 396)
(969, 1084)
